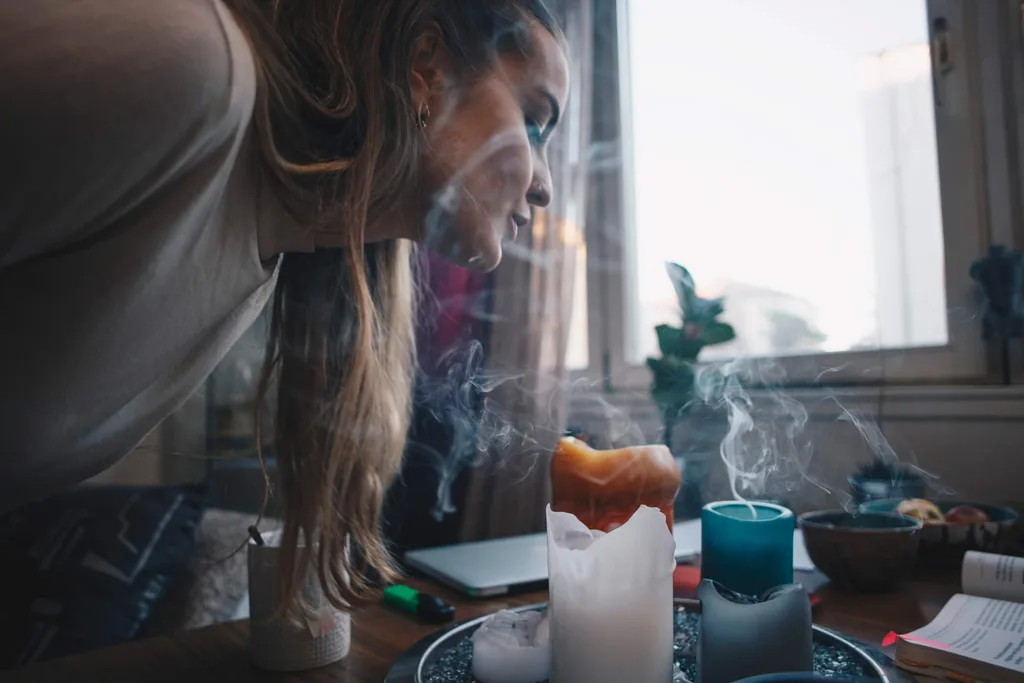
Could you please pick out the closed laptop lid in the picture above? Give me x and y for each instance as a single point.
(496, 566)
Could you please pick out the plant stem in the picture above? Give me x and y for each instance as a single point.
(670, 422)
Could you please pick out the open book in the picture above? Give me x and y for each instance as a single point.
(979, 635)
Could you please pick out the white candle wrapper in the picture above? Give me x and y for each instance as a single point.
(611, 600)
(290, 644)
(512, 647)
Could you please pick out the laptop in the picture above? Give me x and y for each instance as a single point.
(487, 568)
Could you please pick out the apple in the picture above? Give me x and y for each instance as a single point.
(966, 514)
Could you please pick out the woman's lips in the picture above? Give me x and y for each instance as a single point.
(517, 221)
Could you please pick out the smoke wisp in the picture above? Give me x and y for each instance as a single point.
(768, 449)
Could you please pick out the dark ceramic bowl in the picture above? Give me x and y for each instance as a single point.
(863, 552)
(944, 543)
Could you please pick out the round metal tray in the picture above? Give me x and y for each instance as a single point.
(414, 662)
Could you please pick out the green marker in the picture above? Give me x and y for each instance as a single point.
(428, 608)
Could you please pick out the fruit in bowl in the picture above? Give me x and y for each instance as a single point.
(966, 514)
(924, 510)
(962, 526)
(929, 513)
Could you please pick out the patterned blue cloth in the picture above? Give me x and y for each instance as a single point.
(84, 569)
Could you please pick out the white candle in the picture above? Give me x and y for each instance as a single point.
(611, 600)
(512, 647)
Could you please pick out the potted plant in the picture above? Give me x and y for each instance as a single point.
(673, 388)
(880, 479)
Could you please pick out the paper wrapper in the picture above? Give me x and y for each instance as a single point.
(291, 643)
(611, 599)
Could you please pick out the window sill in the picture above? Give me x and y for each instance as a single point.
(917, 403)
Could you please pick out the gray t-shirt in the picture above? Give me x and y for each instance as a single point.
(129, 262)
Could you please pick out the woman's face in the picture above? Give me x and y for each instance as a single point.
(486, 164)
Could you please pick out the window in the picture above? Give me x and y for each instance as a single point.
(814, 162)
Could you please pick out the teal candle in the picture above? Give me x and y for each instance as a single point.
(747, 547)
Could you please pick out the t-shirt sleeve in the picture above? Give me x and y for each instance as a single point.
(102, 103)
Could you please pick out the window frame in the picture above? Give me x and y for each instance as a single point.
(968, 98)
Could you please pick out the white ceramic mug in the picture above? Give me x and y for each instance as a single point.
(292, 643)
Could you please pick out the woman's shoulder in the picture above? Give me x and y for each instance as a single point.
(182, 57)
(203, 57)
(106, 99)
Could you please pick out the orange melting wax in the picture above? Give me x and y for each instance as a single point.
(604, 488)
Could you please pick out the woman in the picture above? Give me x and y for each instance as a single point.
(174, 163)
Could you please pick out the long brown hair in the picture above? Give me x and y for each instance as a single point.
(339, 141)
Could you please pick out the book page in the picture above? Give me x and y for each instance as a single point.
(993, 576)
(990, 631)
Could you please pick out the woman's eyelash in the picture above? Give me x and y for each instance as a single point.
(535, 132)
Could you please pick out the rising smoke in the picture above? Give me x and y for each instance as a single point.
(459, 399)
(472, 404)
(766, 441)
(767, 449)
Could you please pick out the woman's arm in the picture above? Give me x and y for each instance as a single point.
(102, 102)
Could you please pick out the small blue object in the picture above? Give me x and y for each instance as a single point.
(747, 547)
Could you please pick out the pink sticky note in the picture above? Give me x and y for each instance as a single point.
(925, 641)
(892, 637)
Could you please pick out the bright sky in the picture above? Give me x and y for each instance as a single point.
(750, 154)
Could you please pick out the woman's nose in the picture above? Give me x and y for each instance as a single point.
(539, 193)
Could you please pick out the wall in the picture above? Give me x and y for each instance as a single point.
(184, 441)
(970, 438)
(142, 466)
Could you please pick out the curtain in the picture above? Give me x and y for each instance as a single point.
(524, 392)
(422, 507)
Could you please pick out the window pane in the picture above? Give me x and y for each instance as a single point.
(577, 356)
(784, 152)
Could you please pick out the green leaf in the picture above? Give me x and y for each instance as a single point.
(673, 343)
(669, 339)
(718, 333)
(682, 282)
(669, 368)
(672, 387)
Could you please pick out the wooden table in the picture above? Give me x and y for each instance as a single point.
(380, 635)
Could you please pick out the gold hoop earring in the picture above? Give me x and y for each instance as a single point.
(424, 115)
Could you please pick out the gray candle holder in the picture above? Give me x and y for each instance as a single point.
(743, 636)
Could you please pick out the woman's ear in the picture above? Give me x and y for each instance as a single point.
(431, 65)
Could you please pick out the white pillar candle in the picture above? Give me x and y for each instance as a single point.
(611, 600)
